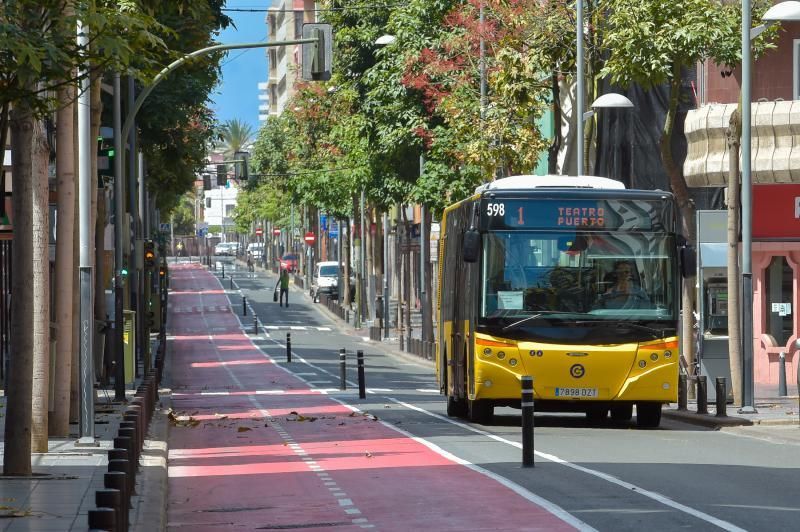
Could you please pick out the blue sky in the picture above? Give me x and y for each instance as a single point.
(242, 70)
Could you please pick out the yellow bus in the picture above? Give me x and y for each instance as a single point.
(572, 280)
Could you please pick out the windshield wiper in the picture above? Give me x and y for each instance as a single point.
(537, 316)
(625, 324)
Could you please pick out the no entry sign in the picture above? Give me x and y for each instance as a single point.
(310, 238)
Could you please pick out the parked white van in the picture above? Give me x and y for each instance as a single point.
(325, 280)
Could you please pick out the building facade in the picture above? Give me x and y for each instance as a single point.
(285, 21)
(775, 173)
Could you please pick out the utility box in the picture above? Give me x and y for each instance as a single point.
(129, 344)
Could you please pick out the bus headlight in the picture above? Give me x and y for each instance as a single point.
(642, 363)
(667, 354)
(654, 356)
(487, 352)
(501, 355)
(512, 362)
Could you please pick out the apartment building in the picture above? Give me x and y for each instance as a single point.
(285, 21)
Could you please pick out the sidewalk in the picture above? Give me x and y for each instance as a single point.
(62, 489)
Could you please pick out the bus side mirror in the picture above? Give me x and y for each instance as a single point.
(688, 256)
(471, 246)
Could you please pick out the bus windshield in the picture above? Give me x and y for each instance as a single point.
(578, 277)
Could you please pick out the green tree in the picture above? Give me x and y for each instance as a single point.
(235, 135)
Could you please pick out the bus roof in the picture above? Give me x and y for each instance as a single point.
(524, 182)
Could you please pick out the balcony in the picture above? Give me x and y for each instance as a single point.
(775, 143)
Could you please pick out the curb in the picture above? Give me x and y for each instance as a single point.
(711, 421)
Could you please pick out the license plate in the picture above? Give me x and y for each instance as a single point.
(576, 392)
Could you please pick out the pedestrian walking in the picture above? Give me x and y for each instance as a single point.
(250, 267)
(283, 283)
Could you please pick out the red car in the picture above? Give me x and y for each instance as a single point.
(289, 262)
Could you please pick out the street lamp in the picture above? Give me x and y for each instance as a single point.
(782, 11)
(611, 100)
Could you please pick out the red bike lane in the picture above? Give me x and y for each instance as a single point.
(252, 447)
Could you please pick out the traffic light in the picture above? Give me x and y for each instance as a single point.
(149, 254)
(317, 56)
(240, 168)
(206, 181)
(222, 175)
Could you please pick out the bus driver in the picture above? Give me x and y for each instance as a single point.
(624, 293)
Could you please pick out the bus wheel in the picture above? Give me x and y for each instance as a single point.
(596, 415)
(648, 415)
(456, 407)
(480, 411)
(622, 412)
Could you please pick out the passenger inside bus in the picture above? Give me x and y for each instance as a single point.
(625, 291)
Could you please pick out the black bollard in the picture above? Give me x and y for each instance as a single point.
(702, 395)
(255, 324)
(124, 442)
(400, 337)
(124, 466)
(110, 498)
(683, 401)
(722, 397)
(342, 369)
(362, 388)
(130, 432)
(119, 481)
(244, 306)
(223, 270)
(102, 519)
(231, 282)
(527, 421)
(782, 390)
(288, 347)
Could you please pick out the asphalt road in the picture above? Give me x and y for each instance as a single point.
(612, 477)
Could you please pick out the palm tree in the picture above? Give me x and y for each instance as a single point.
(236, 135)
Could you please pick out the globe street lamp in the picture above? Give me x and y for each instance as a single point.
(782, 11)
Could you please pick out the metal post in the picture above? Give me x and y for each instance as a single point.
(747, 225)
(86, 329)
(362, 392)
(527, 421)
(288, 347)
(682, 392)
(244, 305)
(386, 274)
(119, 210)
(223, 270)
(578, 112)
(782, 391)
(702, 395)
(362, 266)
(255, 324)
(722, 397)
(342, 369)
(233, 288)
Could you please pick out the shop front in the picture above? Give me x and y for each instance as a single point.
(776, 272)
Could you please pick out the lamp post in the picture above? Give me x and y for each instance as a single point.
(783, 11)
(579, 118)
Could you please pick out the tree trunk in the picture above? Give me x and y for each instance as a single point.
(40, 266)
(17, 449)
(427, 310)
(97, 231)
(555, 146)
(734, 134)
(65, 272)
(344, 234)
(685, 205)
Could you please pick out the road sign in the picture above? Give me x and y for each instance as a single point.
(333, 230)
(259, 231)
(276, 232)
(202, 232)
(310, 238)
(163, 227)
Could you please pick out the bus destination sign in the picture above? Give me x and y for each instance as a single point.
(541, 213)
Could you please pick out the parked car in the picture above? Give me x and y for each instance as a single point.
(289, 262)
(325, 280)
(226, 249)
(256, 249)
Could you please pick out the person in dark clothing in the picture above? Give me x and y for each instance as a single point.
(283, 282)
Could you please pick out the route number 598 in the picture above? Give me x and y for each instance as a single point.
(495, 209)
